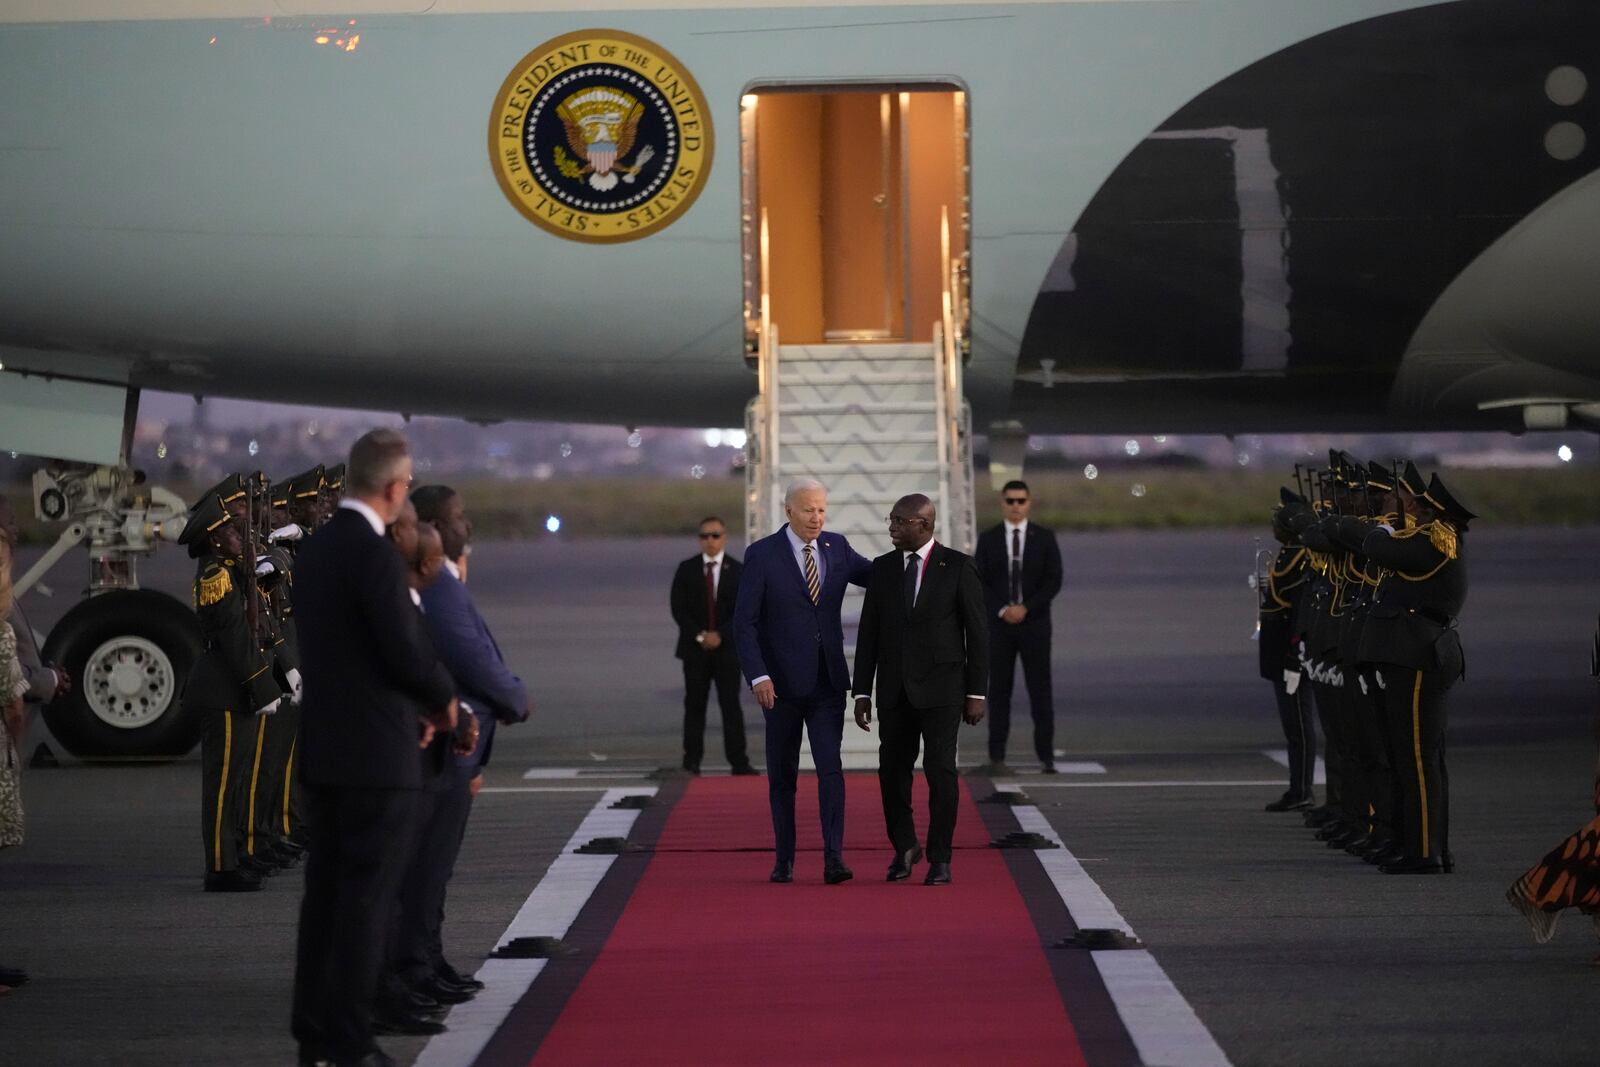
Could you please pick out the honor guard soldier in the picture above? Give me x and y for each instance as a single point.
(1412, 642)
(231, 683)
(1319, 657)
(305, 499)
(275, 809)
(1286, 582)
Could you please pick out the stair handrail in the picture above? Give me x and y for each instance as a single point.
(955, 418)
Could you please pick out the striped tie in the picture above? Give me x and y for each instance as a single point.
(813, 583)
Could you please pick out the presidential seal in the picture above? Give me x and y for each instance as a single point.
(600, 136)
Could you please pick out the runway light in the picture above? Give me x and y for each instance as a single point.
(1131, 448)
(566, 449)
(1564, 454)
(1138, 489)
(255, 447)
(1244, 459)
(713, 438)
(161, 450)
(1091, 472)
(635, 439)
(321, 40)
(552, 524)
(697, 471)
(1160, 439)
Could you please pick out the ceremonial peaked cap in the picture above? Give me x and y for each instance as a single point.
(1287, 496)
(1411, 480)
(1446, 504)
(334, 478)
(229, 489)
(280, 493)
(1379, 476)
(307, 483)
(206, 515)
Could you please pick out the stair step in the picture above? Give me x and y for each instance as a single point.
(841, 374)
(864, 407)
(862, 437)
(861, 467)
(854, 352)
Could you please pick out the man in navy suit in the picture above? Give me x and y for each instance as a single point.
(490, 691)
(1020, 564)
(374, 693)
(791, 648)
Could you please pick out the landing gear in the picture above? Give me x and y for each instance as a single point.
(129, 653)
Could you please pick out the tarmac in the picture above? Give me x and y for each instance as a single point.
(1289, 953)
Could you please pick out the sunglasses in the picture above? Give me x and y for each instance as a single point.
(712, 536)
(1016, 500)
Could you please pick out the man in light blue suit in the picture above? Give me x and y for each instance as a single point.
(791, 649)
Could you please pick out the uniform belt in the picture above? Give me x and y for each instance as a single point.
(1439, 617)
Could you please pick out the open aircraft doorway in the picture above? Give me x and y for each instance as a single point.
(851, 183)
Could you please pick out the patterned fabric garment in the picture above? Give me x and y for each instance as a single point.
(1567, 877)
(12, 685)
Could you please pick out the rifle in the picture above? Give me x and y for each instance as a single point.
(1299, 487)
(252, 603)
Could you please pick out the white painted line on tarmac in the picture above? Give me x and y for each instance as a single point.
(1174, 783)
(1280, 756)
(569, 773)
(598, 787)
(549, 911)
(1163, 1026)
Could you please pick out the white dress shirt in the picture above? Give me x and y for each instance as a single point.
(716, 572)
(366, 512)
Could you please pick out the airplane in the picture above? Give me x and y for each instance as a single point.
(1108, 215)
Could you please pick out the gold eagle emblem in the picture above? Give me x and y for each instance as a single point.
(602, 125)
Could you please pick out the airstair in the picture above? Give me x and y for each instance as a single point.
(873, 421)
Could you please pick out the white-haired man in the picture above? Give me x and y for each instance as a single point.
(791, 648)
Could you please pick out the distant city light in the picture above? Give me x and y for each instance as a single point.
(733, 438)
(552, 524)
(1091, 472)
(566, 449)
(1138, 489)
(713, 438)
(635, 439)
(255, 446)
(1131, 448)
(697, 471)
(1160, 439)
(161, 450)
(1564, 454)
(1244, 459)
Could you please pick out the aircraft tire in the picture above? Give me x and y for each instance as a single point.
(129, 654)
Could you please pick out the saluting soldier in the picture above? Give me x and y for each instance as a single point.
(1288, 581)
(275, 811)
(232, 682)
(1412, 642)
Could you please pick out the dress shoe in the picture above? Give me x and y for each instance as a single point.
(1331, 829)
(745, 770)
(834, 871)
(1344, 840)
(446, 973)
(992, 769)
(900, 867)
(1320, 816)
(404, 1001)
(444, 993)
(239, 881)
(386, 1022)
(782, 871)
(259, 866)
(312, 1058)
(1290, 802)
(692, 768)
(1359, 846)
(1047, 768)
(11, 977)
(938, 874)
(471, 988)
(1412, 865)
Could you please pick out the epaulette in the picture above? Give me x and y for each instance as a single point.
(212, 586)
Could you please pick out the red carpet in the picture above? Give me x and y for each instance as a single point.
(711, 964)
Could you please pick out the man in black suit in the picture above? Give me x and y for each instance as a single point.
(924, 637)
(704, 592)
(374, 692)
(1020, 565)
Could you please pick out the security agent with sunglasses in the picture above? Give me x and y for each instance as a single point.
(1020, 565)
(705, 590)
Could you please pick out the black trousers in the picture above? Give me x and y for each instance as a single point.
(1374, 747)
(1414, 705)
(360, 846)
(1031, 641)
(1299, 733)
(227, 742)
(700, 671)
(418, 944)
(277, 807)
(901, 729)
(1330, 713)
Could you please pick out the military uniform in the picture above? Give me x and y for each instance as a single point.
(280, 816)
(1412, 642)
(1287, 581)
(230, 683)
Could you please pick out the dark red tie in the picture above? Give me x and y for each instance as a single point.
(711, 595)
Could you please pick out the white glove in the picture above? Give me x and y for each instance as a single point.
(291, 532)
(294, 686)
(265, 567)
(270, 708)
(1291, 681)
